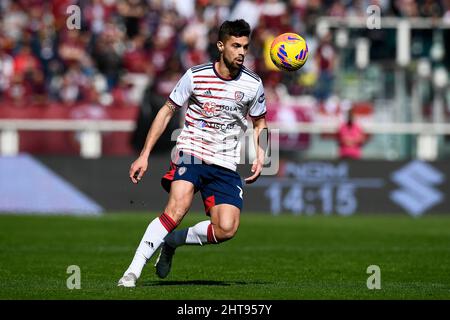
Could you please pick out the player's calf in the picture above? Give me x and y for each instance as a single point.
(180, 200)
(176, 212)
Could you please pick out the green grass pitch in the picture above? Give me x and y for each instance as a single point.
(284, 257)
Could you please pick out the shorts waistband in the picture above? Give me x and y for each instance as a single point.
(198, 160)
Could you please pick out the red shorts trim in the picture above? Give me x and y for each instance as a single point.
(168, 177)
(209, 203)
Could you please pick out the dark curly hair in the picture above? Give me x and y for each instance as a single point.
(236, 28)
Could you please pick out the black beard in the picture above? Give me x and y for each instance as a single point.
(230, 66)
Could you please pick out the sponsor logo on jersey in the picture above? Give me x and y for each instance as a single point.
(228, 108)
(182, 170)
(238, 96)
(207, 93)
(211, 109)
(220, 126)
(201, 123)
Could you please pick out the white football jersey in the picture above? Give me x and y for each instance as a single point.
(216, 113)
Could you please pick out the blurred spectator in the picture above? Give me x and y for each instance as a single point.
(325, 57)
(107, 54)
(6, 69)
(24, 61)
(132, 11)
(121, 93)
(250, 10)
(58, 12)
(431, 8)
(164, 41)
(446, 10)
(73, 47)
(351, 138)
(71, 86)
(44, 46)
(136, 65)
(314, 10)
(154, 97)
(272, 14)
(216, 12)
(357, 9)
(337, 9)
(136, 56)
(195, 39)
(38, 92)
(96, 15)
(185, 8)
(406, 8)
(14, 21)
(16, 91)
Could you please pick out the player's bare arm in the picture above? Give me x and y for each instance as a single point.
(260, 138)
(139, 166)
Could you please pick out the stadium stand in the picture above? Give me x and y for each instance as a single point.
(125, 48)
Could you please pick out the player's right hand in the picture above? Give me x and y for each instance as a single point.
(138, 169)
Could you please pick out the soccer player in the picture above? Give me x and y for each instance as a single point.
(219, 96)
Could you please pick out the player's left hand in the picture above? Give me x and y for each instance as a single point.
(256, 169)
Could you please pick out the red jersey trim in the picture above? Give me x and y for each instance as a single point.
(215, 82)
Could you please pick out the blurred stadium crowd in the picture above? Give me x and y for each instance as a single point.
(125, 47)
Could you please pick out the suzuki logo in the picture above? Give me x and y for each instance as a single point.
(417, 194)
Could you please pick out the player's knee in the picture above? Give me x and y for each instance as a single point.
(228, 235)
(225, 232)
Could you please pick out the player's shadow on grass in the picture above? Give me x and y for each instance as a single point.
(197, 283)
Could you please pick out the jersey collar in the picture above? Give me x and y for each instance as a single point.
(222, 78)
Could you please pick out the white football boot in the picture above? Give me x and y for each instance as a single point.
(128, 281)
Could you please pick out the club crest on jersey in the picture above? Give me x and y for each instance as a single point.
(210, 109)
(182, 170)
(261, 98)
(238, 96)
